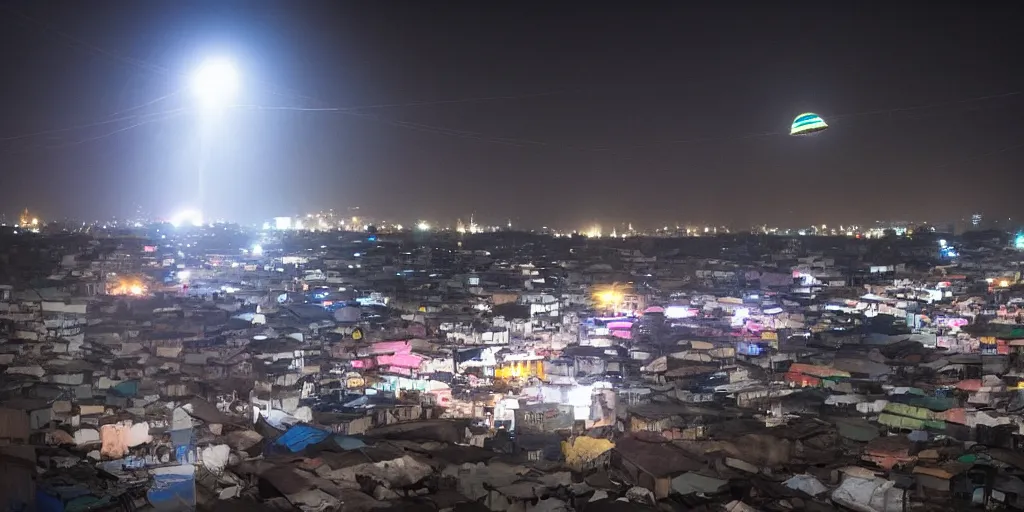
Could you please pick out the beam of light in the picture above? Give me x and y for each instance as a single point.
(216, 83)
(187, 218)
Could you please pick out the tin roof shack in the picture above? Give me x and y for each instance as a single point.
(544, 418)
(801, 374)
(676, 421)
(934, 482)
(651, 463)
(283, 376)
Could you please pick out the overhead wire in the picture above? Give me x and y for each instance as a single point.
(444, 131)
(829, 118)
(81, 126)
(79, 43)
(140, 121)
(357, 111)
(980, 156)
(148, 103)
(163, 116)
(928, 106)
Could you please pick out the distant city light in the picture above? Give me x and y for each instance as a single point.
(216, 83)
(423, 226)
(1018, 242)
(282, 223)
(257, 250)
(187, 217)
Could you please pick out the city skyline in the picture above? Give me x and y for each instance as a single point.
(329, 219)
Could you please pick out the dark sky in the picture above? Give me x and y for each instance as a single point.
(598, 90)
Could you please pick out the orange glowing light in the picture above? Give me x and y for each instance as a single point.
(131, 286)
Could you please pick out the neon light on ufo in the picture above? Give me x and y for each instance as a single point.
(806, 124)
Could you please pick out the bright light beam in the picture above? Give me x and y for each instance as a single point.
(215, 83)
(187, 218)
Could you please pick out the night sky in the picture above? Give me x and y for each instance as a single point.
(657, 113)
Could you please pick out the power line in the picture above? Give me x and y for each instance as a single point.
(86, 125)
(164, 117)
(930, 105)
(148, 103)
(79, 43)
(353, 110)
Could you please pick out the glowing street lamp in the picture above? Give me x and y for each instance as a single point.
(609, 297)
(423, 226)
(215, 83)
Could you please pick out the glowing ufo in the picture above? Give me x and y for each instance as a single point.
(806, 124)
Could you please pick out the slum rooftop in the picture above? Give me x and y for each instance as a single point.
(204, 369)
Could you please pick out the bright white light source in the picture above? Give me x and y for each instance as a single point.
(257, 250)
(187, 218)
(679, 312)
(423, 226)
(215, 83)
(184, 275)
(739, 316)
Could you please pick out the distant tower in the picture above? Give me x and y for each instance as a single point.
(976, 221)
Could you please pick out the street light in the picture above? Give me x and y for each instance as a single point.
(215, 83)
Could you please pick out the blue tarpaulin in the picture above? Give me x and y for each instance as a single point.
(126, 388)
(46, 502)
(174, 488)
(298, 437)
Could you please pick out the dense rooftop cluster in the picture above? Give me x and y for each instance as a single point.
(212, 368)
